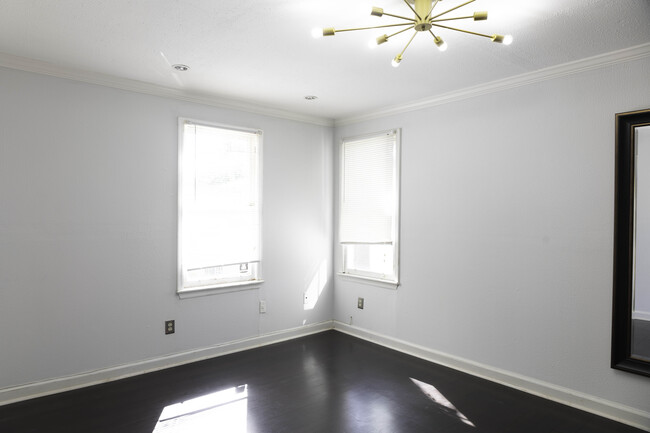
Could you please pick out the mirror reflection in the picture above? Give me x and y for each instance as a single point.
(640, 335)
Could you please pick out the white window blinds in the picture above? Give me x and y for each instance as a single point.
(369, 193)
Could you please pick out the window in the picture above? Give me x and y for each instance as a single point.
(369, 211)
(219, 209)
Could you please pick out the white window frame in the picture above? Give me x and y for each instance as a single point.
(184, 290)
(374, 278)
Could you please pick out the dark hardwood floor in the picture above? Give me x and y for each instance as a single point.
(328, 382)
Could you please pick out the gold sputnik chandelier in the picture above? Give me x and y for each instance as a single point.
(424, 20)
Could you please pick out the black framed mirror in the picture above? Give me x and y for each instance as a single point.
(631, 302)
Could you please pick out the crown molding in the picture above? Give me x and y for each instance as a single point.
(550, 73)
(45, 68)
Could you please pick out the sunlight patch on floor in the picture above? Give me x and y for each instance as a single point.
(222, 411)
(437, 397)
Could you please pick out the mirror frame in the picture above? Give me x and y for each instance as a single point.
(624, 243)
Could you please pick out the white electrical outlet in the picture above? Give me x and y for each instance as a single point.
(262, 307)
(305, 298)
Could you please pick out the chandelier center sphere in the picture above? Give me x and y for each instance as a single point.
(422, 26)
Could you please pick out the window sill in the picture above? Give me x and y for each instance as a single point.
(369, 280)
(218, 289)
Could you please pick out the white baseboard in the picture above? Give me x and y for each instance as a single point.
(569, 397)
(641, 315)
(53, 386)
(615, 411)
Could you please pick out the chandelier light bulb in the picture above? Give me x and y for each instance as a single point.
(396, 61)
(317, 32)
(372, 44)
(501, 39)
(442, 45)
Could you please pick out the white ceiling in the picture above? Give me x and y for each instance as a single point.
(261, 51)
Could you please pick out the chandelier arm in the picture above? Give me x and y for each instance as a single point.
(374, 27)
(464, 31)
(397, 16)
(432, 7)
(397, 33)
(409, 43)
(452, 9)
(411, 7)
(451, 19)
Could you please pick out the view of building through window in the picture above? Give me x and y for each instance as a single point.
(219, 208)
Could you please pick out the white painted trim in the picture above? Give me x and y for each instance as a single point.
(46, 68)
(589, 403)
(384, 284)
(53, 386)
(618, 412)
(590, 63)
(219, 289)
(550, 73)
(641, 315)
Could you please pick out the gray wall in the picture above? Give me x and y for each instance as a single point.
(88, 229)
(507, 231)
(507, 220)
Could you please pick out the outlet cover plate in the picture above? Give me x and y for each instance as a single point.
(170, 327)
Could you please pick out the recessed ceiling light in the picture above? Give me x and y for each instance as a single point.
(311, 97)
(180, 67)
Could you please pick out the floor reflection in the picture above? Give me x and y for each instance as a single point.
(222, 411)
(368, 412)
(641, 339)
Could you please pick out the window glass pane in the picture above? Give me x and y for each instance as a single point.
(375, 261)
(220, 206)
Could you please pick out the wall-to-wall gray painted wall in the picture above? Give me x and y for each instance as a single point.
(506, 228)
(88, 229)
(507, 219)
